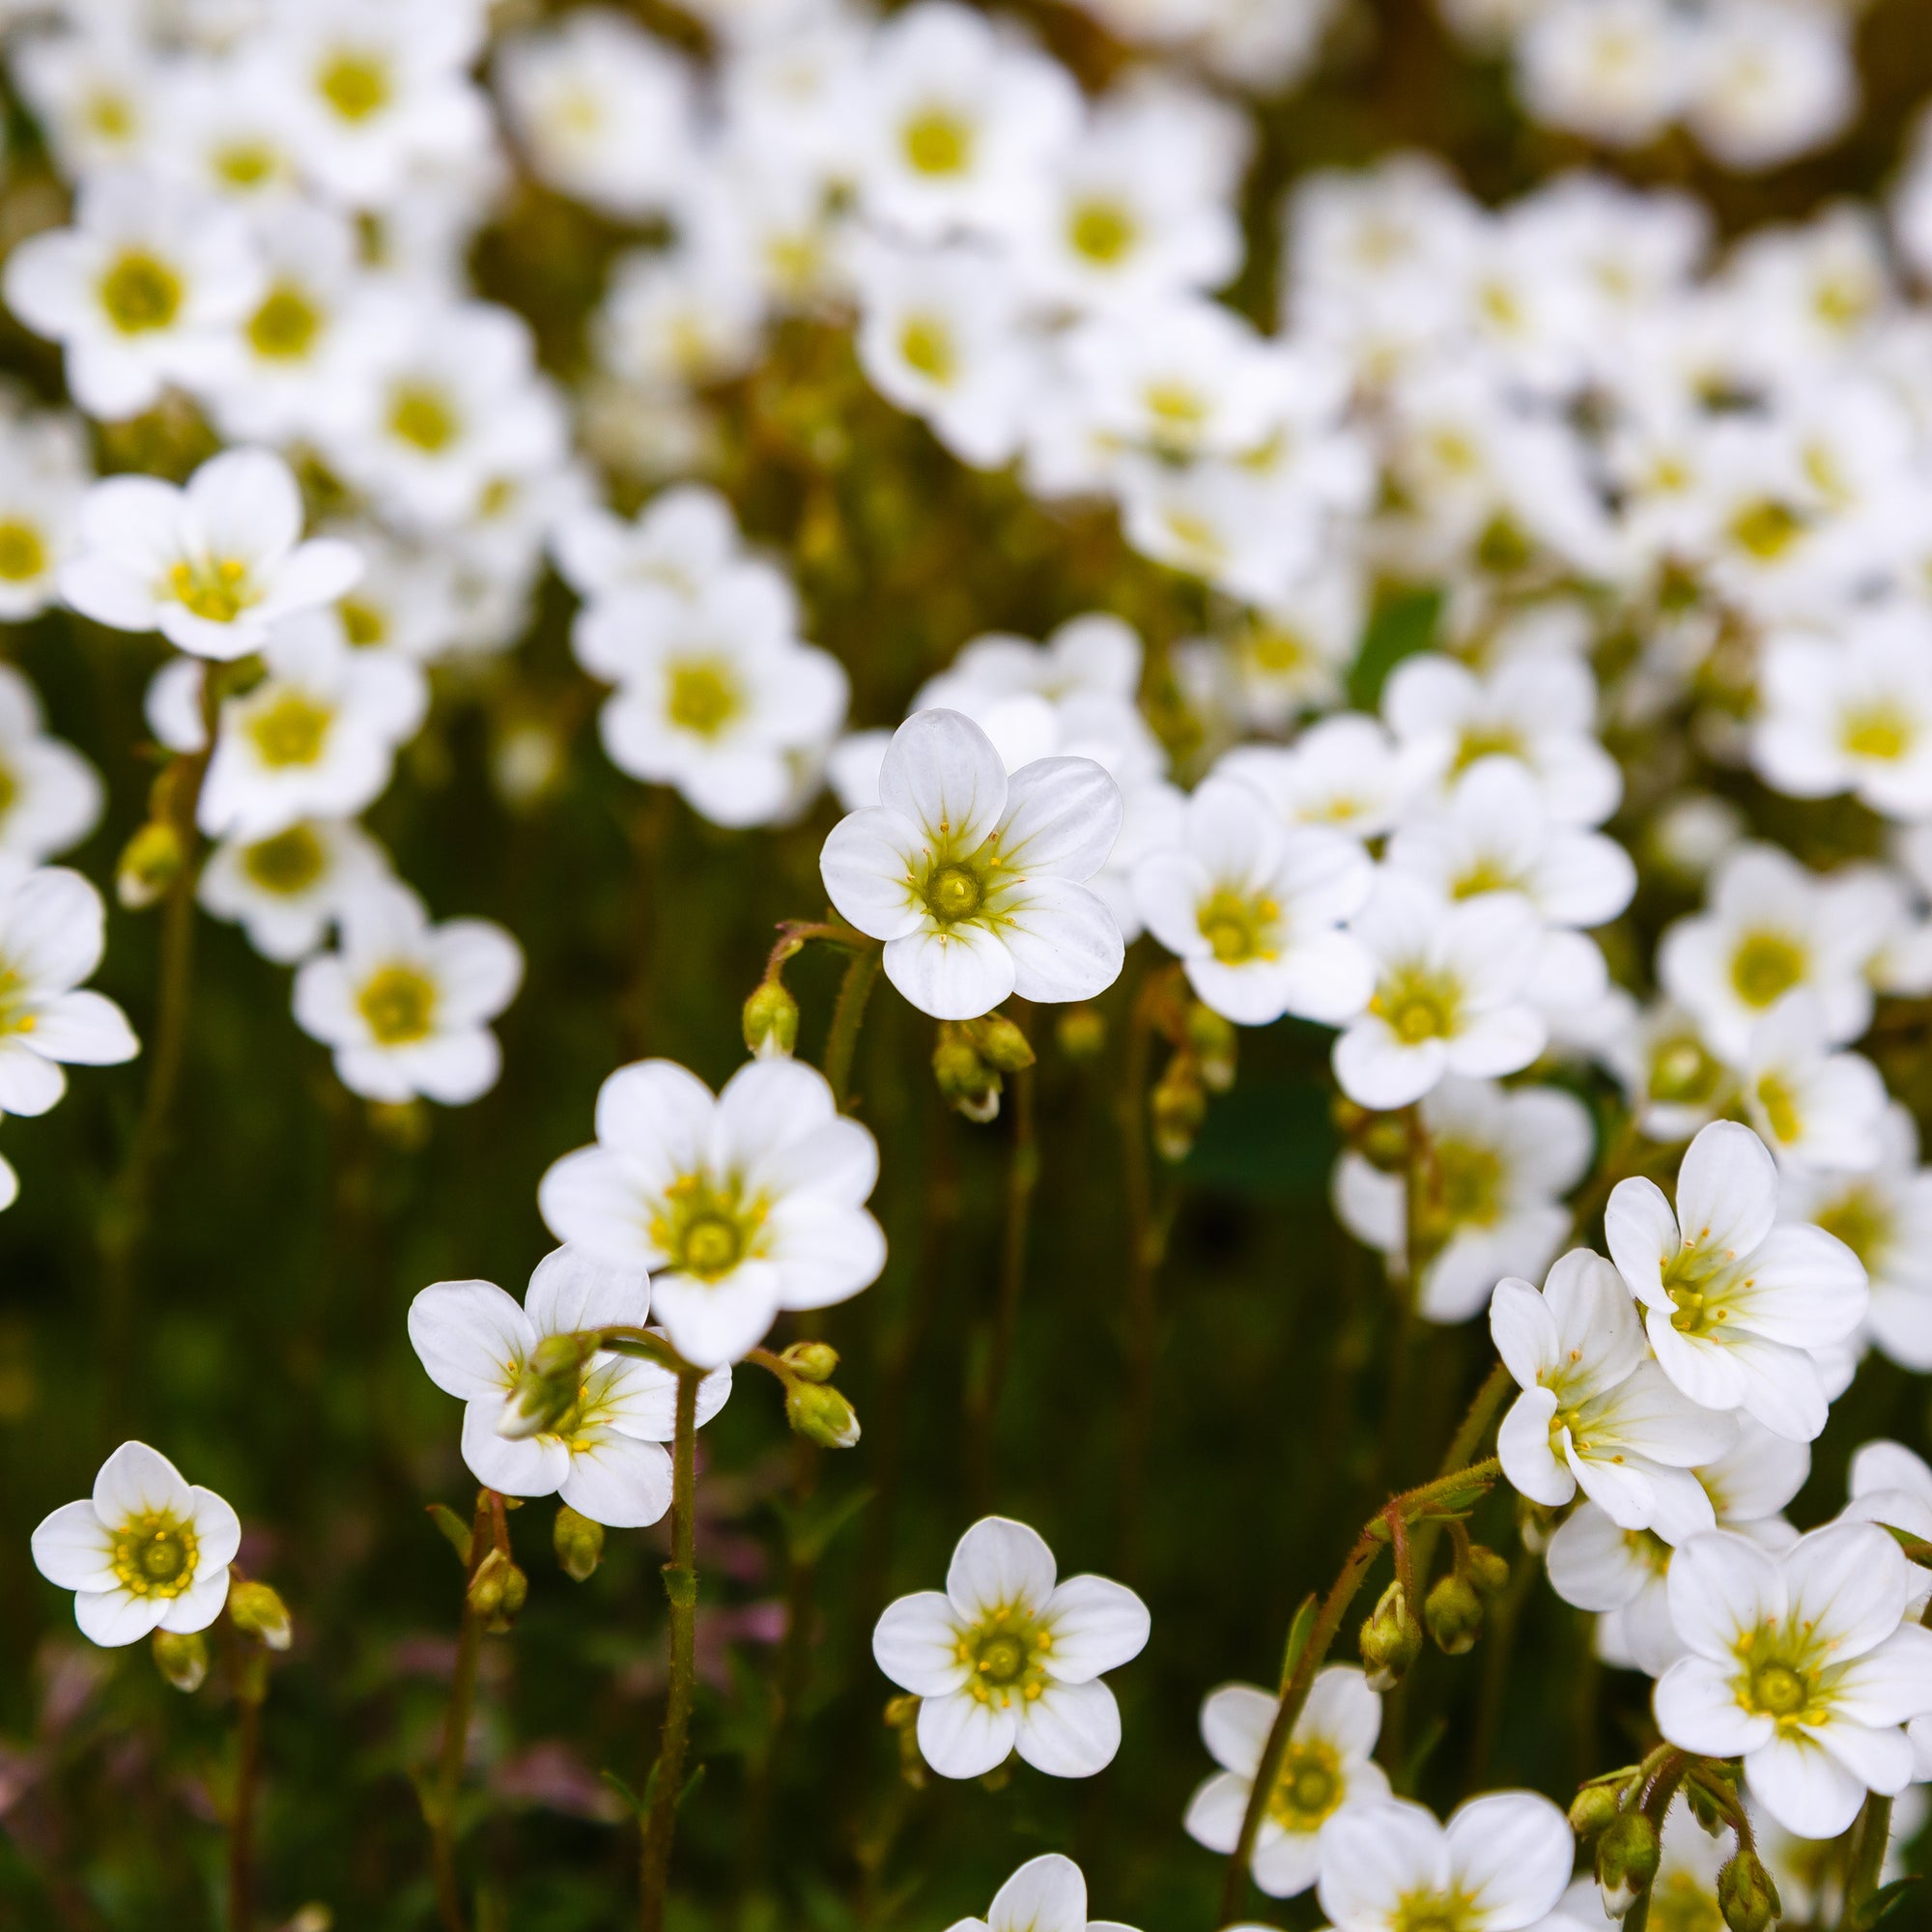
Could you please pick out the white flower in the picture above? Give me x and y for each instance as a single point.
(137, 291)
(1616, 71)
(974, 880)
(288, 889)
(51, 937)
(603, 1455)
(1046, 1894)
(211, 566)
(316, 738)
(1739, 1308)
(1596, 1413)
(1342, 772)
(44, 476)
(1769, 81)
(406, 1004)
(682, 540)
(49, 794)
(1803, 1665)
(1498, 1162)
(1327, 1765)
(1501, 1863)
(1450, 993)
(1254, 911)
(740, 1206)
(1673, 1081)
(1813, 1107)
(147, 1551)
(1005, 1660)
(716, 694)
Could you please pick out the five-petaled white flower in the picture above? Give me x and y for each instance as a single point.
(738, 1205)
(1003, 1659)
(974, 880)
(147, 1551)
(1046, 1894)
(603, 1455)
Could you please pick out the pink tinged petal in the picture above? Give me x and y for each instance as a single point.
(1096, 1625)
(85, 1029)
(1373, 1854)
(1727, 1189)
(1063, 816)
(1640, 1232)
(955, 974)
(941, 773)
(1888, 1685)
(996, 1564)
(1235, 1722)
(198, 1606)
(139, 1481)
(1046, 1894)
(1803, 1787)
(617, 1480)
(1721, 1586)
(217, 1532)
(1511, 1852)
(591, 1199)
(1851, 1583)
(1069, 1731)
(28, 1083)
(1064, 942)
(915, 1644)
(572, 1291)
(1525, 1449)
(1214, 1815)
(74, 1548)
(1697, 1709)
(112, 1618)
(533, 1465)
(1380, 1071)
(960, 1737)
(868, 864)
(713, 1322)
(1343, 1712)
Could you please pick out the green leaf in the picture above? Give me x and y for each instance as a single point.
(1403, 623)
(454, 1528)
(691, 1785)
(1297, 1638)
(622, 1787)
(1880, 1904)
(816, 1527)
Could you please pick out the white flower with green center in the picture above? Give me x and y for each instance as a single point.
(1596, 1413)
(50, 795)
(1006, 1658)
(214, 565)
(1802, 1664)
(1814, 1108)
(1499, 1864)
(1450, 993)
(1254, 909)
(147, 1551)
(406, 1004)
(45, 469)
(974, 880)
(1739, 1308)
(739, 1205)
(1327, 1765)
(604, 1454)
(286, 891)
(1046, 1894)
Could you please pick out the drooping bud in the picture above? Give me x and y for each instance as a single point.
(770, 1021)
(1595, 1810)
(150, 863)
(1454, 1614)
(1745, 1895)
(966, 1083)
(256, 1610)
(547, 1389)
(811, 1361)
(1000, 1043)
(579, 1542)
(1212, 1041)
(821, 1414)
(183, 1659)
(1082, 1033)
(1487, 1571)
(1177, 1104)
(1390, 1640)
(497, 1591)
(1626, 1862)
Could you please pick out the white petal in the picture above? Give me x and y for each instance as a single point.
(619, 1480)
(998, 1564)
(1803, 1787)
(960, 1737)
(1063, 816)
(1070, 1730)
(1046, 1894)
(1697, 1709)
(915, 1644)
(139, 1481)
(941, 773)
(1236, 1720)
(1096, 1625)
(1512, 1851)
(112, 1618)
(955, 974)
(472, 1337)
(74, 1548)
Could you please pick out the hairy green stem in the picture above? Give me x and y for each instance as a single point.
(250, 1686)
(680, 1575)
(1872, 1835)
(441, 1808)
(1022, 1177)
(1143, 1264)
(862, 973)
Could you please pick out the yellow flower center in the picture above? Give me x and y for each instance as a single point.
(1860, 1220)
(1238, 928)
(704, 697)
(1767, 528)
(140, 292)
(1682, 1072)
(954, 892)
(217, 589)
(356, 85)
(290, 730)
(422, 416)
(927, 344)
(1780, 1107)
(23, 553)
(247, 163)
(362, 623)
(154, 1555)
(1308, 1789)
(1417, 1004)
(1877, 732)
(705, 1227)
(1678, 1903)
(289, 862)
(399, 1005)
(1434, 1912)
(285, 325)
(1766, 966)
(1102, 231)
(936, 141)
(1006, 1655)
(1488, 741)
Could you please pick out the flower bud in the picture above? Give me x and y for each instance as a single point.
(1454, 1614)
(1000, 1043)
(1179, 1104)
(256, 1610)
(1391, 1640)
(966, 1083)
(497, 1591)
(150, 864)
(183, 1659)
(1487, 1571)
(770, 1021)
(1595, 1809)
(1626, 1862)
(821, 1414)
(547, 1389)
(1745, 1895)
(1212, 1040)
(1081, 1033)
(811, 1361)
(579, 1542)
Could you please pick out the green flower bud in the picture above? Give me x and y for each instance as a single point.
(821, 1414)
(181, 1660)
(1390, 1640)
(150, 864)
(1626, 1862)
(497, 1591)
(547, 1389)
(1745, 1895)
(966, 1083)
(1487, 1571)
(579, 1542)
(1179, 1104)
(1212, 1041)
(257, 1610)
(1081, 1033)
(1595, 1809)
(811, 1361)
(1000, 1043)
(1454, 1614)
(771, 1021)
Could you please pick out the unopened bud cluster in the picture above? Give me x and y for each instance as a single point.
(1203, 1062)
(971, 1059)
(814, 1408)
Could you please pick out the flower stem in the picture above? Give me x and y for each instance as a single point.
(1870, 1840)
(1405, 1511)
(681, 1574)
(252, 1684)
(862, 971)
(1143, 1263)
(1022, 1177)
(441, 1810)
